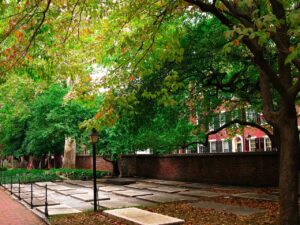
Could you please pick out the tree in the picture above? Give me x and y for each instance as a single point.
(268, 29)
(15, 96)
(52, 120)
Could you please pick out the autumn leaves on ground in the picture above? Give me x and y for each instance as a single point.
(191, 215)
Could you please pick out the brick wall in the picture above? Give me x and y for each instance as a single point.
(86, 162)
(250, 169)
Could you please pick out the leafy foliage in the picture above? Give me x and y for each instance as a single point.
(52, 120)
(29, 176)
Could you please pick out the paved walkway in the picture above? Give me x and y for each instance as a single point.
(13, 213)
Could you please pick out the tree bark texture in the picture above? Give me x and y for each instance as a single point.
(288, 178)
(70, 153)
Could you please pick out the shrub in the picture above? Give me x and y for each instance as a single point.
(29, 176)
(78, 174)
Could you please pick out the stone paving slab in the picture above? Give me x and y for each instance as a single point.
(22, 190)
(199, 185)
(170, 182)
(17, 186)
(255, 196)
(28, 195)
(165, 198)
(142, 217)
(118, 201)
(60, 188)
(43, 184)
(58, 209)
(168, 189)
(132, 193)
(112, 188)
(82, 183)
(77, 182)
(88, 185)
(36, 202)
(199, 193)
(142, 185)
(237, 210)
(234, 188)
(90, 197)
(149, 180)
(117, 204)
(73, 192)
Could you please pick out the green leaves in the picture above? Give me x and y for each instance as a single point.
(52, 120)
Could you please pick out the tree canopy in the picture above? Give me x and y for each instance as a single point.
(135, 40)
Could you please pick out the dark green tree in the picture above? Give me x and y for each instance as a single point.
(51, 120)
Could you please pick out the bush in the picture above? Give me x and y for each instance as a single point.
(78, 174)
(3, 169)
(29, 176)
(26, 176)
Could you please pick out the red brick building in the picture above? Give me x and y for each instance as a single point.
(240, 138)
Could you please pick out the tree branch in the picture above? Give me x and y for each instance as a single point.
(71, 20)
(205, 7)
(250, 43)
(44, 12)
(241, 122)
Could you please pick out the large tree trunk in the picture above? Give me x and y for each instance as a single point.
(70, 153)
(288, 178)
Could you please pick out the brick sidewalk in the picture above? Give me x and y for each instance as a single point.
(14, 213)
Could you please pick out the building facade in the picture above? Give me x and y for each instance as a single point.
(239, 138)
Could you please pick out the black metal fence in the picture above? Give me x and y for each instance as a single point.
(14, 188)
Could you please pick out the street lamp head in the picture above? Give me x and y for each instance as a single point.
(94, 136)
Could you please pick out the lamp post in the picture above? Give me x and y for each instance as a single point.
(94, 138)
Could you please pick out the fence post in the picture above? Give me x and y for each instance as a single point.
(19, 190)
(2, 184)
(6, 182)
(31, 196)
(46, 204)
(11, 185)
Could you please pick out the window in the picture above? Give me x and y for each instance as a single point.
(219, 146)
(213, 146)
(252, 116)
(268, 144)
(222, 118)
(201, 148)
(234, 114)
(211, 126)
(188, 151)
(227, 146)
(252, 145)
(260, 144)
(214, 123)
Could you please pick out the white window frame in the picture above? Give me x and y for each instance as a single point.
(222, 118)
(210, 145)
(251, 140)
(267, 144)
(224, 141)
